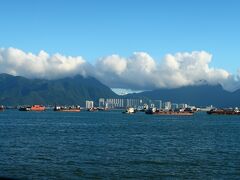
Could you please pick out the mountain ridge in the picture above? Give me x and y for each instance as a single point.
(18, 90)
(200, 95)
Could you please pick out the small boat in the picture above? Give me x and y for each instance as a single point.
(93, 109)
(102, 109)
(130, 110)
(151, 110)
(1, 108)
(25, 108)
(67, 109)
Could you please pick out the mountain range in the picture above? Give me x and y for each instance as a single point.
(201, 95)
(17, 90)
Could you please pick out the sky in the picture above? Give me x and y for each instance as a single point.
(97, 30)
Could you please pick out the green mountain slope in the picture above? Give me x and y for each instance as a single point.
(16, 90)
(201, 95)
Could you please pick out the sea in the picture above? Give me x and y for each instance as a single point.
(113, 145)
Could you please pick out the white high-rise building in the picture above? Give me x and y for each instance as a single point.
(133, 102)
(101, 103)
(182, 106)
(174, 106)
(115, 103)
(158, 104)
(89, 104)
(167, 105)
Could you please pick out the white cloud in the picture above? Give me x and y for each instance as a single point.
(184, 69)
(139, 71)
(132, 72)
(17, 62)
(143, 72)
(112, 64)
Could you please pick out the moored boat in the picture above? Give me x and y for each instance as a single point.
(181, 112)
(102, 109)
(93, 109)
(151, 110)
(24, 108)
(174, 113)
(224, 112)
(37, 108)
(1, 108)
(130, 110)
(67, 109)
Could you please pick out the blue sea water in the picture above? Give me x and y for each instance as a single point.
(112, 145)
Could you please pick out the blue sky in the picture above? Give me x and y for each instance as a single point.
(94, 28)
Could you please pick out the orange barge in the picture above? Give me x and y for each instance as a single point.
(37, 108)
(32, 108)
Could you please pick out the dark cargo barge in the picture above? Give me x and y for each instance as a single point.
(224, 112)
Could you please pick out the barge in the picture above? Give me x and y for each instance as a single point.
(67, 109)
(224, 112)
(32, 108)
(181, 112)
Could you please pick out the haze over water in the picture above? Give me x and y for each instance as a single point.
(101, 145)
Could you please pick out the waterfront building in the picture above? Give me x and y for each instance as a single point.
(106, 105)
(152, 105)
(115, 103)
(174, 106)
(145, 106)
(133, 102)
(167, 105)
(208, 108)
(182, 106)
(89, 104)
(121, 103)
(157, 103)
(101, 103)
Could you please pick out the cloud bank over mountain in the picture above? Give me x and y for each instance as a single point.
(139, 71)
(17, 62)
